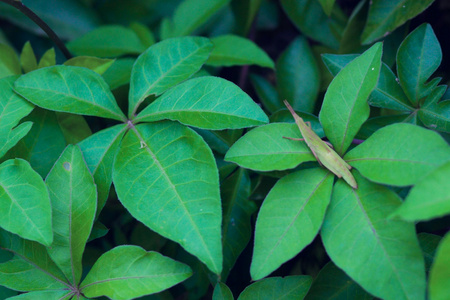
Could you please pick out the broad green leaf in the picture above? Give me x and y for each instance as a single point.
(74, 127)
(286, 288)
(381, 255)
(28, 59)
(429, 198)
(9, 62)
(99, 151)
(237, 213)
(312, 21)
(222, 292)
(107, 41)
(265, 148)
(206, 102)
(48, 59)
(345, 107)
(399, 154)
(298, 77)
(439, 281)
(282, 231)
(164, 65)
(128, 272)
(69, 89)
(24, 202)
(61, 294)
(43, 143)
(266, 92)
(184, 21)
(327, 6)
(98, 65)
(428, 243)
(31, 269)
(434, 114)
(244, 12)
(232, 50)
(119, 73)
(166, 176)
(219, 140)
(418, 57)
(333, 283)
(386, 15)
(74, 201)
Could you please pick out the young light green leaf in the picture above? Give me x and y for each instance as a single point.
(232, 50)
(386, 15)
(222, 292)
(439, 282)
(74, 201)
(107, 41)
(298, 76)
(345, 106)
(98, 65)
(143, 33)
(429, 198)
(333, 283)
(31, 269)
(166, 176)
(164, 65)
(69, 89)
(9, 62)
(206, 102)
(381, 255)
(28, 59)
(74, 127)
(418, 57)
(99, 151)
(48, 59)
(24, 202)
(266, 92)
(282, 231)
(289, 287)
(237, 213)
(128, 272)
(399, 154)
(61, 294)
(265, 149)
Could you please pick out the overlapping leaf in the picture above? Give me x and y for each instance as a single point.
(98, 65)
(289, 287)
(62, 294)
(439, 282)
(9, 62)
(28, 59)
(222, 292)
(74, 127)
(435, 114)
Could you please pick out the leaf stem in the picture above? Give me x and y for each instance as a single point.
(35, 18)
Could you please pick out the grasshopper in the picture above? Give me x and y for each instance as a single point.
(321, 150)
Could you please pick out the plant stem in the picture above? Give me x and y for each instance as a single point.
(30, 14)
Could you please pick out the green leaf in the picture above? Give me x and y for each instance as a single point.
(374, 124)
(50, 294)
(266, 92)
(12, 137)
(98, 65)
(333, 283)
(386, 15)
(298, 77)
(245, 12)
(127, 272)
(99, 151)
(312, 21)
(265, 149)
(237, 214)
(9, 62)
(164, 65)
(434, 114)
(282, 231)
(418, 57)
(144, 34)
(351, 41)
(428, 243)
(222, 292)
(107, 41)
(429, 198)
(24, 202)
(206, 102)
(399, 154)
(439, 282)
(74, 127)
(48, 59)
(73, 197)
(231, 50)
(28, 59)
(69, 89)
(289, 287)
(219, 141)
(119, 73)
(31, 269)
(184, 21)
(381, 255)
(327, 6)
(166, 176)
(345, 107)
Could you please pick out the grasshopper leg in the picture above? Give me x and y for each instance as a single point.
(294, 139)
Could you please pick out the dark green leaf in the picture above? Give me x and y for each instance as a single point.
(336, 62)
(372, 125)
(206, 102)
(28, 59)
(119, 73)
(286, 288)
(74, 127)
(222, 292)
(428, 243)
(24, 202)
(62, 294)
(69, 89)
(434, 114)
(128, 272)
(439, 282)
(98, 65)
(345, 107)
(282, 231)
(166, 176)
(9, 62)
(381, 255)
(245, 12)
(266, 92)
(350, 41)
(327, 6)
(399, 154)
(298, 76)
